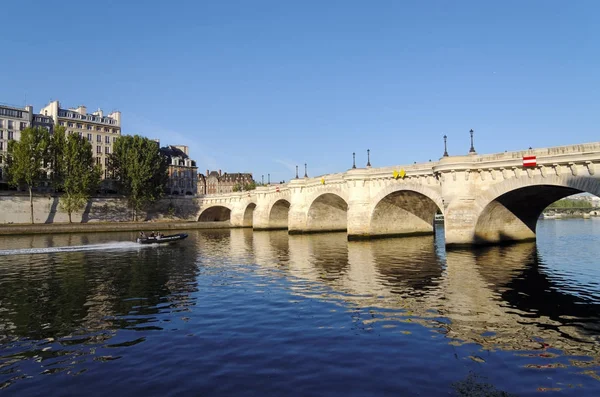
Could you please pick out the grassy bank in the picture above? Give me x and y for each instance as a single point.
(95, 227)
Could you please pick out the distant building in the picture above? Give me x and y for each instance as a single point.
(212, 182)
(13, 120)
(183, 173)
(201, 183)
(99, 129)
(227, 182)
(217, 182)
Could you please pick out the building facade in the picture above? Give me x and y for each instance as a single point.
(13, 120)
(217, 182)
(201, 185)
(182, 171)
(99, 129)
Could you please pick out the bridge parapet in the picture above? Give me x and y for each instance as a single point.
(574, 159)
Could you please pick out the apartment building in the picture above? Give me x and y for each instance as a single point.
(99, 129)
(13, 120)
(217, 182)
(182, 171)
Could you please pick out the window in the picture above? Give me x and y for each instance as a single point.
(89, 127)
(1, 145)
(10, 124)
(11, 113)
(89, 137)
(23, 126)
(79, 125)
(107, 149)
(1, 134)
(70, 124)
(99, 138)
(98, 128)
(107, 139)
(106, 161)
(10, 135)
(62, 123)
(99, 149)
(106, 129)
(114, 139)
(98, 161)
(80, 134)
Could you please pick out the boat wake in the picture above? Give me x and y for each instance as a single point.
(117, 245)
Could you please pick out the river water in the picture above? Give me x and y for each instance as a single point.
(232, 312)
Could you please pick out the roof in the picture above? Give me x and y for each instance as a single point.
(171, 151)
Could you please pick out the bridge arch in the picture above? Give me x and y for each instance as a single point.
(328, 212)
(404, 210)
(217, 213)
(278, 214)
(510, 210)
(248, 219)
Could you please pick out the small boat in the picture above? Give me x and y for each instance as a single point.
(161, 239)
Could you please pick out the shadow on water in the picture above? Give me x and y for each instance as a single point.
(56, 296)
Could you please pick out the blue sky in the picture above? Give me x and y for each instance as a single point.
(260, 86)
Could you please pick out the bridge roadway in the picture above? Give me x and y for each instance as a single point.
(485, 199)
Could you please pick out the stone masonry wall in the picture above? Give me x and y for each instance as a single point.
(46, 209)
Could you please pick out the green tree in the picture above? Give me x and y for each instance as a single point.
(80, 174)
(57, 157)
(139, 170)
(250, 186)
(570, 203)
(27, 159)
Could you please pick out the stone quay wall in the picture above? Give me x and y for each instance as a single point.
(15, 209)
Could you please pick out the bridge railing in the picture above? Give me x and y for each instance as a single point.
(584, 148)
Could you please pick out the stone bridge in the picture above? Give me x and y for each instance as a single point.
(485, 199)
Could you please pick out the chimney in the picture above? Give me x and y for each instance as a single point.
(219, 172)
(207, 173)
(81, 109)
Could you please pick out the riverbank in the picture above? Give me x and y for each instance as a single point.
(95, 227)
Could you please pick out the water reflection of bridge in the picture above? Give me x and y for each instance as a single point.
(496, 297)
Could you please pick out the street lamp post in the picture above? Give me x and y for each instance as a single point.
(368, 157)
(305, 173)
(353, 160)
(472, 150)
(445, 147)
(296, 172)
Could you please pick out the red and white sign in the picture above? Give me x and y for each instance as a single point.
(529, 161)
(277, 189)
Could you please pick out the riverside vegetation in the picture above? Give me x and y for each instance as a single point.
(67, 162)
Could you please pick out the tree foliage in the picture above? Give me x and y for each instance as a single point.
(27, 159)
(238, 187)
(57, 157)
(80, 176)
(571, 203)
(139, 169)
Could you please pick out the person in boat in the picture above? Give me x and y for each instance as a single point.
(158, 235)
(142, 235)
(152, 234)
